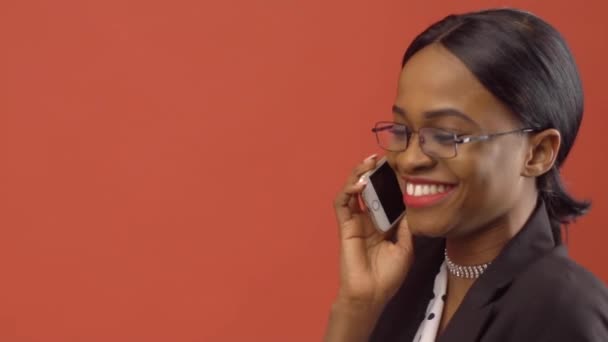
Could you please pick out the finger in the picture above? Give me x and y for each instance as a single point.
(356, 203)
(366, 227)
(346, 202)
(343, 203)
(404, 238)
(356, 183)
(361, 204)
(368, 164)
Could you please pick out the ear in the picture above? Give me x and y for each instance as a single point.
(542, 152)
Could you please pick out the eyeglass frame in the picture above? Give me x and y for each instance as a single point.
(458, 139)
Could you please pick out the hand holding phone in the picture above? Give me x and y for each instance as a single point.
(372, 264)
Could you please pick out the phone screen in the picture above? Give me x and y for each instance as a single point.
(388, 190)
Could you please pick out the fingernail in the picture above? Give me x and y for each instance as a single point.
(362, 181)
(370, 157)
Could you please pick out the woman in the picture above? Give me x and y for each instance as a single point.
(487, 108)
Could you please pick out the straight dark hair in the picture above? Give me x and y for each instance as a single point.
(525, 63)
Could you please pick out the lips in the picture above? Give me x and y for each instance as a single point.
(420, 193)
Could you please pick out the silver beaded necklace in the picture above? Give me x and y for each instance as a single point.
(470, 272)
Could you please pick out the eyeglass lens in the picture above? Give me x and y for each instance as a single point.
(433, 141)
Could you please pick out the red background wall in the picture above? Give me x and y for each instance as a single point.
(167, 168)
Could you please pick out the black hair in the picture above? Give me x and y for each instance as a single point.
(526, 64)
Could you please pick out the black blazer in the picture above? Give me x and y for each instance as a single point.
(531, 292)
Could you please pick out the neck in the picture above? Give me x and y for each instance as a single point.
(486, 243)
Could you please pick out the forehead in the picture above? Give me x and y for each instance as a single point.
(435, 79)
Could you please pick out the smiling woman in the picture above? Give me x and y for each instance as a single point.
(487, 109)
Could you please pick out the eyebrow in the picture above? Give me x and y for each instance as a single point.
(432, 114)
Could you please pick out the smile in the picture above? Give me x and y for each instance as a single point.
(425, 195)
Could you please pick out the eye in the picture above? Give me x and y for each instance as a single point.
(399, 131)
(441, 137)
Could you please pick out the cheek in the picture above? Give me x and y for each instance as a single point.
(391, 158)
(489, 182)
(473, 176)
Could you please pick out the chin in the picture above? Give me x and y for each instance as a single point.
(436, 221)
(428, 229)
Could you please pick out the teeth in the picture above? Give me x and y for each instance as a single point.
(425, 189)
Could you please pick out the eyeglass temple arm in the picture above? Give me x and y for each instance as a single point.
(464, 140)
(379, 129)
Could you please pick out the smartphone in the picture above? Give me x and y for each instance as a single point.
(383, 197)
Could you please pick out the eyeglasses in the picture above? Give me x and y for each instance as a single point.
(434, 142)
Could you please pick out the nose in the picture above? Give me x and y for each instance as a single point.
(413, 160)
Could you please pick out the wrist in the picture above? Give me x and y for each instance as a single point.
(357, 309)
(358, 303)
(351, 320)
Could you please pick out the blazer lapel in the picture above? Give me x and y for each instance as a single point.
(468, 325)
(476, 311)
